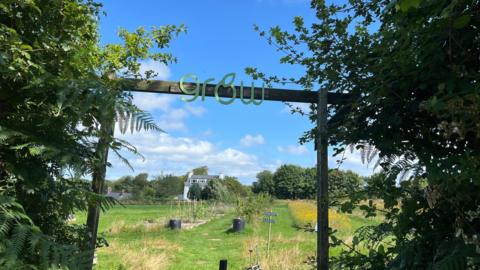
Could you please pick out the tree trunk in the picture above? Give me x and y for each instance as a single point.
(98, 180)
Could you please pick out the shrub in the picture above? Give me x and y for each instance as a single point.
(222, 191)
(253, 206)
(195, 192)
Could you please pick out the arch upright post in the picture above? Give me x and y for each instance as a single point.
(322, 181)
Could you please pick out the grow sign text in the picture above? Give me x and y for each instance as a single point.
(226, 82)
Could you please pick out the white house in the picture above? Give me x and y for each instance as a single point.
(119, 196)
(201, 180)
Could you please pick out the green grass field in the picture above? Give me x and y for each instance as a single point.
(139, 240)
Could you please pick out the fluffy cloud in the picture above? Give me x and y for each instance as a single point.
(207, 133)
(195, 110)
(161, 70)
(293, 149)
(353, 161)
(164, 153)
(168, 117)
(250, 140)
(153, 102)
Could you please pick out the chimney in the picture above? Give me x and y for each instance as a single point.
(189, 174)
(221, 176)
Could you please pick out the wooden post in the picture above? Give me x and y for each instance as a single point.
(223, 265)
(194, 214)
(177, 210)
(269, 234)
(322, 181)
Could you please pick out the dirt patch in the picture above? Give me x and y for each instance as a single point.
(143, 226)
(191, 225)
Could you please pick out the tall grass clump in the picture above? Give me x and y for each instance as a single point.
(305, 215)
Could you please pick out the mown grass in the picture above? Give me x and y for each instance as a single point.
(139, 240)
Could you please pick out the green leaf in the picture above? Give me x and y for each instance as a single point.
(461, 21)
(355, 241)
(381, 250)
(406, 5)
(26, 47)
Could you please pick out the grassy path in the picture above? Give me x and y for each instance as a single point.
(138, 246)
(204, 246)
(199, 248)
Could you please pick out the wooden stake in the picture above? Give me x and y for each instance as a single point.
(269, 233)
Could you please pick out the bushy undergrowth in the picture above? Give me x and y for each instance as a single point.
(251, 207)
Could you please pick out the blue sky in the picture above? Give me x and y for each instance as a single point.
(238, 140)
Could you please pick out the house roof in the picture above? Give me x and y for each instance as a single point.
(196, 176)
(119, 195)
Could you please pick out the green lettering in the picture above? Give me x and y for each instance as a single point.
(252, 93)
(225, 84)
(226, 81)
(263, 95)
(191, 91)
(205, 86)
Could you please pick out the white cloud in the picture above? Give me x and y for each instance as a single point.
(167, 145)
(165, 153)
(196, 110)
(353, 158)
(161, 70)
(175, 118)
(207, 133)
(353, 161)
(250, 140)
(152, 101)
(293, 149)
(169, 117)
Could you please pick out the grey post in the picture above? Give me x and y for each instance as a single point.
(322, 181)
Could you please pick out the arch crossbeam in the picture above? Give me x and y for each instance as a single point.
(272, 94)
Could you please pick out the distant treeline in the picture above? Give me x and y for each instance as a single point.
(295, 182)
(287, 182)
(168, 187)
